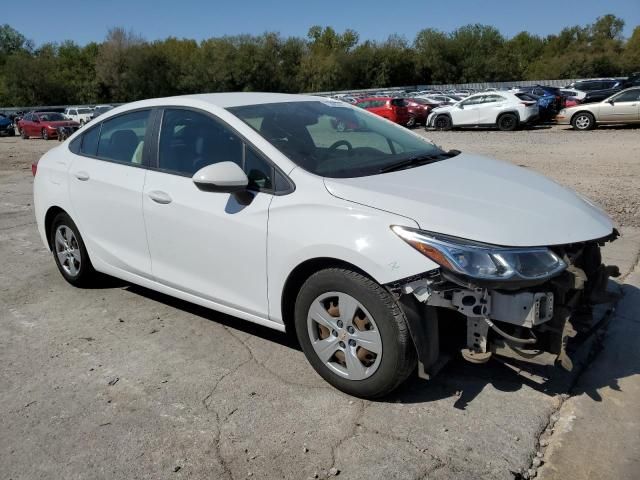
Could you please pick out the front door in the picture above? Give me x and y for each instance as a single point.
(624, 107)
(208, 244)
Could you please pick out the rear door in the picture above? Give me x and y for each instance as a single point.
(489, 109)
(105, 185)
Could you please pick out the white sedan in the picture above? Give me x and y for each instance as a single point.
(505, 110)
(364, 241)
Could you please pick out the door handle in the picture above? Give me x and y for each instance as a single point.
(83, 176)
(160, 197)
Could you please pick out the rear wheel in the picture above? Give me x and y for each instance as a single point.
(353, 333)
(507, 122)
(24, 135)
(583, 121)
(442, 122)
(69, 252)
(44, 134)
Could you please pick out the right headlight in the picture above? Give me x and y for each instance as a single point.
(484, 262)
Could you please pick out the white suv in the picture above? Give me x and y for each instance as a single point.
(81, 115)
(505, 110)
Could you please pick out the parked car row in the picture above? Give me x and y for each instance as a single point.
(51, 124)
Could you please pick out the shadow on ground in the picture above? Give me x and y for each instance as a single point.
(458, 378)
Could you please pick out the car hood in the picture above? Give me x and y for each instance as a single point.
(481, 199)
(445, 108)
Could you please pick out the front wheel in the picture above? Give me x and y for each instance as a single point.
(583, 121)
(442, 122)
(44, 134)
(353, 333)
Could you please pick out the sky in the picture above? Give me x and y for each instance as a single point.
(84, 21)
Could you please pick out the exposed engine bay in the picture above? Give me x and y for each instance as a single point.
(531, 321)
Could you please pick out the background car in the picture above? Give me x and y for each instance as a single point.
(44, 125)
(394, 109)
(623, 107)
(504, 110)
(442, 99)
(6, 126)
(99, 110)
(419, 109)
(597, 89)
(81, 115)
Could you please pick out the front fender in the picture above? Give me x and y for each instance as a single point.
(320, 225)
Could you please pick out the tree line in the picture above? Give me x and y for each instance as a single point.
(125, 67)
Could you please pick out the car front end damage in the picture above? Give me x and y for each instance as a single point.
(530, 316)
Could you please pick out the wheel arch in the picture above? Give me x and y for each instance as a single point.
(582, 111)
(301, 274)
(52, 212)
(513, 112)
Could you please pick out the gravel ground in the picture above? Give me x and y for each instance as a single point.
(121, 382)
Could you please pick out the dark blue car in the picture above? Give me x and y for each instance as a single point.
(6, 126)
(550, 100)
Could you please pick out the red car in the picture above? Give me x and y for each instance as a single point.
(419, 109)
(394, 109)
(45, 125)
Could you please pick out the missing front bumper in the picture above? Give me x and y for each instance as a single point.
(532, 323)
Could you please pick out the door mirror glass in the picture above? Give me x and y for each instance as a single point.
(221, 177)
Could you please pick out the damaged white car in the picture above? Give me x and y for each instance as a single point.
(370, 242)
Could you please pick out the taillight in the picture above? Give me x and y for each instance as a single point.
(34, 168)
(528, 104)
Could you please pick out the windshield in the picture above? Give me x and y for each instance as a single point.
(333, 139)
(51, 117)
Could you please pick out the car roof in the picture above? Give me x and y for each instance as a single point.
(237, 99)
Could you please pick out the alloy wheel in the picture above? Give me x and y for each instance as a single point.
(583, 122)
(68, 250)
(344, 335)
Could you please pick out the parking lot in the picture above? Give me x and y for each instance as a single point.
(122, 382)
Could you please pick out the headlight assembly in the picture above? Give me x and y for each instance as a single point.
(484, 262)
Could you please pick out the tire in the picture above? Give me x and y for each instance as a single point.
(411, 123)
(11, 132)
(24, 135)
(442, 122)
(507, 122)
(377, 374)
(44, 134)
(82, 274)
(583, 121)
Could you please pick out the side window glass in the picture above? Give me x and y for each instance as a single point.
(259, 171)
(630, 96)
(89, 145)
(122, 137)
(191, 140)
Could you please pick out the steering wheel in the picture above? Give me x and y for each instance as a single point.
(339, 144)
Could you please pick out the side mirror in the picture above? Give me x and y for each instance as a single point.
(612, 102)
(460, 106)
(225, 177)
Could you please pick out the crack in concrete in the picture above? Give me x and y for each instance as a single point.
(284, 380)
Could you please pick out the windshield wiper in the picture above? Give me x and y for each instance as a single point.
(418, 160)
